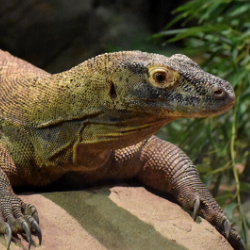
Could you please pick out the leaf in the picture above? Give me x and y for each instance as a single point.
(168, 33)
(245, 187)
(246, 34)
(222, 198)
(215, 9)
(219, 36)
(238, 11)
(236, 79)
(244, 231)
(229, 210)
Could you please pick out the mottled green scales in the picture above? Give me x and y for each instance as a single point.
(99, 118)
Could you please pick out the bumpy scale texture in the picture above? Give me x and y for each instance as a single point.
(98, 119)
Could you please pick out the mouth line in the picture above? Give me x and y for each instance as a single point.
(213, 111)
(227, 107)
(163, 103)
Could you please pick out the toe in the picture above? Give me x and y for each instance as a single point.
(17, 217)
(28, 209)
(34, 225)
(26, 229)
(226, 225)
(196, 208)
(8, 232)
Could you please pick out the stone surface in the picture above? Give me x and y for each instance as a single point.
(117, 218)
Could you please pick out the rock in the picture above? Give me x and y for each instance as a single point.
(117, 218)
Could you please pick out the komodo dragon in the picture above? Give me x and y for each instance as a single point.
(99, 118)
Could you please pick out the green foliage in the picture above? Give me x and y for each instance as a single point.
(218, 36)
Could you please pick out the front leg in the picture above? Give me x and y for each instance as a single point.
(16, 217)
(163, 166)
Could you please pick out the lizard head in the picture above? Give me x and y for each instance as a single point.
(176, 85)
(128, 96)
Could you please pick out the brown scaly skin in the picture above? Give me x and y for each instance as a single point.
(98, 118)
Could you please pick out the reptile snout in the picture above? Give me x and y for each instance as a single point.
(224, 94)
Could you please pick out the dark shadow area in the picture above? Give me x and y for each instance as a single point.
(114, 227)
(73, 182)
(56, 35)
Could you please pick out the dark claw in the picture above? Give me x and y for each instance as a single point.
(242, 245)
(196, 208)
(27, 232)
(8, 233)
(38, 231)
(227, 227)
(35, 216)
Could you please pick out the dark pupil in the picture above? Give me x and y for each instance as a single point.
(160, 77)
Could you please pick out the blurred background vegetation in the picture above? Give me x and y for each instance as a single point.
(216, 33)
(58, 34)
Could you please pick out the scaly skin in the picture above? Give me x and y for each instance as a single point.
(98, 118)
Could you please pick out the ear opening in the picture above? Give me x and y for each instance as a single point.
(112, 91)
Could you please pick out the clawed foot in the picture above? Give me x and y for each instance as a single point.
(216, 217)
(202, 203)
(18, 217)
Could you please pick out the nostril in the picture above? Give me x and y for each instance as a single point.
(218, 92)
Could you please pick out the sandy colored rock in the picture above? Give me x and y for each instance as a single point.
(117, 218)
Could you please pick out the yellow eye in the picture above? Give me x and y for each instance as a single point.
(160, 77)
